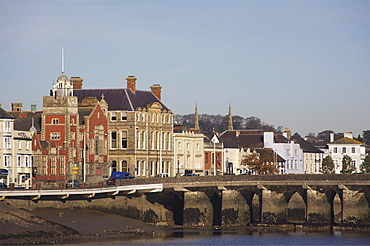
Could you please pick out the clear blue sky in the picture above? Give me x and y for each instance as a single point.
(304, 65)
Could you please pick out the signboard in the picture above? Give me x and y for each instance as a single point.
(3, 172)
(74, 168)
(74, 172)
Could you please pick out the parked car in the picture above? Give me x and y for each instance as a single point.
(190, 174)
(3, 186)
(111, 181)
(73, 184)
(121, 175)
(162, 175)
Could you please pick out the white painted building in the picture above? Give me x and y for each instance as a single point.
(346, 146)
(189, 152)
(289, 151)
(15, 153)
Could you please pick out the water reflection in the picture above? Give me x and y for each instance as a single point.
(238, 236)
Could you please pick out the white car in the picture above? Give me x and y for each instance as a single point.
(162, 175)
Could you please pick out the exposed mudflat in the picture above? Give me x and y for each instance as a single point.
(52, 226)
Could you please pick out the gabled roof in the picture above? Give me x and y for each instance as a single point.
(4, 114)
(249, 139)
(305, 146)
(120, 99)
(346, 140)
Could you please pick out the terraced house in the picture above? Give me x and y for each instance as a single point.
(15, 153)
(140, 128)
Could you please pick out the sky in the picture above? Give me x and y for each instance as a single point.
(304, 65)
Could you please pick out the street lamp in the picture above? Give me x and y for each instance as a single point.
(178, 166)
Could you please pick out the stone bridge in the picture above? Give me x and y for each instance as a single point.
(226, 200)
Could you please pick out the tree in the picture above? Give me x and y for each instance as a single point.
(324, 136)
(359, 138)
(366, 136)
(261, 163)
(327, 165)
(252, 161)
(365, 165)
(346, 164)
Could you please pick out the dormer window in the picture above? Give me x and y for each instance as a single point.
(123, 116)
(113, 116)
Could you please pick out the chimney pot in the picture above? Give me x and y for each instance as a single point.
(156, 90)
(17, 107)
(76, 83)
(131, 83)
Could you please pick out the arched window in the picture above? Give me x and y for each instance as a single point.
(124, 166)
(114, 166)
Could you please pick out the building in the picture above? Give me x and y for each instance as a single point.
(213, 155)
(15, 153)
(337, 149)
(140, 134)
(312, 156)
(286, 155)
(70, 138)
(189, 152)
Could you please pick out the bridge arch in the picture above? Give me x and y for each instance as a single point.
(296, 211)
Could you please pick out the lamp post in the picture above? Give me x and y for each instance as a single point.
(178, 166)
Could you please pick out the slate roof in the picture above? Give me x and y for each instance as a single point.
(4, 114)
(23, 120)
(120, 99)
(248, 139)
(25, 124)
(305, 146)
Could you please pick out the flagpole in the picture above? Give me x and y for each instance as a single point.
(84, 146)
(214, 159)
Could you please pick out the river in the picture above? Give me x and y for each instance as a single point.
(241, 236)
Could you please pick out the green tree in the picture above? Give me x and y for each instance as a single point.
(359, 138)
(346, 164)
(365, 165)
(366, 136)
(327, 165)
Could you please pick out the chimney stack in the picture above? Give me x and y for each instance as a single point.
(287, 133)
(131, 83)
(17, 107)
(331, 137)
(348, 135)
(76, 83)
(156, 90)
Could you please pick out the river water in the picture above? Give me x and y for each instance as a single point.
(241, 236)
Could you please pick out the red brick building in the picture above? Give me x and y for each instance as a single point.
(71, 138)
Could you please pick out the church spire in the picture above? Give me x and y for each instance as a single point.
(196, 118)
(230, 120)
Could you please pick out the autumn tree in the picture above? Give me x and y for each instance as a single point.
(262, 162)
(346, 165)
(253, 162)
(327, 165)
(365, 165)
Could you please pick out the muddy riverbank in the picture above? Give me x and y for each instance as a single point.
(60, 226)
(52, 226)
